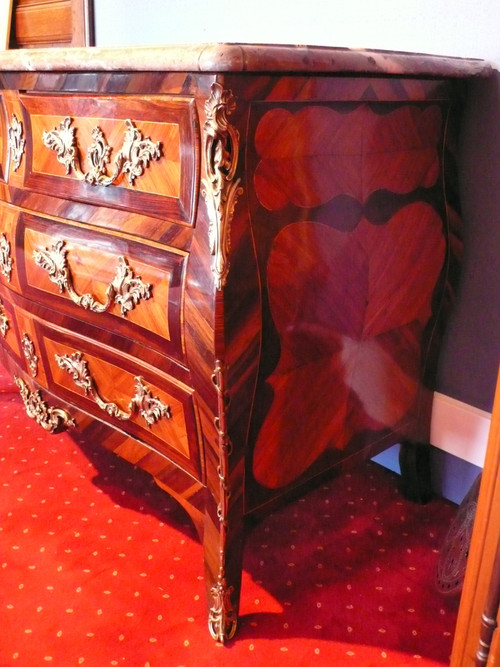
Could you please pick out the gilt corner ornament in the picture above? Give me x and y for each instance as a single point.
(222, 617)
(133, 157)
(220, 188)
(51, 419)
(16, 143)
(5, 258)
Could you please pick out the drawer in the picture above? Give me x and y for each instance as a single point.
(129, 288)
(150, 406)
(139, 154)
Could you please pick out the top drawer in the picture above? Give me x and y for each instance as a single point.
(126, 152)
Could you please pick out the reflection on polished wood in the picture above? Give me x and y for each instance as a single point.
(297, 242)
(477, 641)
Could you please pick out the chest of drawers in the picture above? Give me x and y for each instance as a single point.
(228, 264)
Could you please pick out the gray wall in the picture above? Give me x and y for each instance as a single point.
(471, 353)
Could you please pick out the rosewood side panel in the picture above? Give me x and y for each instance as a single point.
(230, 265)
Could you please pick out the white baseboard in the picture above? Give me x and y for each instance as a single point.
(459, 429)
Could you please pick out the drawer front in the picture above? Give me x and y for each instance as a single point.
(152, 407)
(138, 154)
(111, 282)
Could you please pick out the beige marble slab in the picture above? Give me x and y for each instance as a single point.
(240, 58)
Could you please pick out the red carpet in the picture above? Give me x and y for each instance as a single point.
(100, 567)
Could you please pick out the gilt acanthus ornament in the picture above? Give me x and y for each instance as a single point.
(133, 157)
(50, 418)
(149, 407)
(29, 354)
(5, 258)
(220, 188)
(222, 617)
(125, 290)
(16, 142)
(4, 322)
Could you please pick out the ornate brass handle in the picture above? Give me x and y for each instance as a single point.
(51, 419)
(150, 408)
(132, 159)
(125, 290)
(4, 322)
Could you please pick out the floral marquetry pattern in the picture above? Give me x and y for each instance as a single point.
(133, 157)
(352, 205)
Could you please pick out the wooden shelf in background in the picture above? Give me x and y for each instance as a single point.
(46, 23)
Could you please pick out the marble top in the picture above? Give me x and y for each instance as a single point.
(240, 58)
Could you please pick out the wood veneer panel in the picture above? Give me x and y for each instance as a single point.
(482, 553)
(57, 23)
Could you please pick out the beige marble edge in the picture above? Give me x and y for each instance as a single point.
(215, 57)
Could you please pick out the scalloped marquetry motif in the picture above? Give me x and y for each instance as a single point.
(133, 157)
(149, 407)
(16, 142)
(5, 258)
(125, 290)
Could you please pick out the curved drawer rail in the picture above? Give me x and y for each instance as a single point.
(149, 407)
(125, 290)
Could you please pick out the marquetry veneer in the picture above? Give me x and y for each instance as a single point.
(229, 264)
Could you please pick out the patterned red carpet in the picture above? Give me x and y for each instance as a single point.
(99, 567)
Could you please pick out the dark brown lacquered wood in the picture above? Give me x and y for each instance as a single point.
(287, 263)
